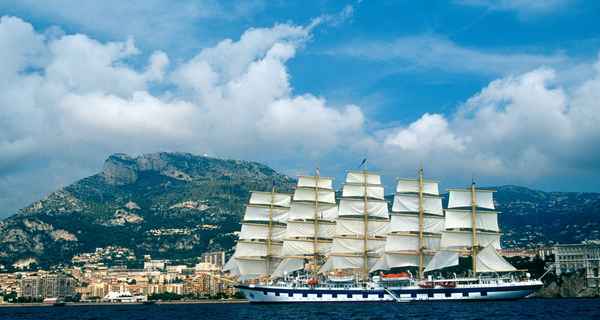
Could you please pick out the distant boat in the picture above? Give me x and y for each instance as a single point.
(306, 248)
(124, 297)
(56, 302)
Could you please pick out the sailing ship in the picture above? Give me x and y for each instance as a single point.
(307, 248)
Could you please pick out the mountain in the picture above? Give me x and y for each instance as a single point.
(171, 205)
(531, 218)
(178, 205)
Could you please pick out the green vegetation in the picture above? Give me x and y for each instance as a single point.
(172, 217)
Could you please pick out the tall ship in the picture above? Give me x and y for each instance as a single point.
(310, 247)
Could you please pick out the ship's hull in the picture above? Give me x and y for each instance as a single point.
(273, 294)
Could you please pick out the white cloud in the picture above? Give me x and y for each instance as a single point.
(82, 99)
(522, 127)
(522, 7)
(437, 52)
(428, 134)
(71, 100)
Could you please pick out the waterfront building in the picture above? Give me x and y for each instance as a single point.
(47, 286)
(9, 282)
(579, 257)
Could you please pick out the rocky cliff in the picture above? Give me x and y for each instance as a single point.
(571, 285)
(174, 205)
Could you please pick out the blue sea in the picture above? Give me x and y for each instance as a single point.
(523, 309)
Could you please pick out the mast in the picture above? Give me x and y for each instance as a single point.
(260, 242)
(474, 227)
(471, 226)
(421, 225)
(365, 229)
(270, 231)
(316, 226)
(417, 221)
(361, 225)
(311, 224)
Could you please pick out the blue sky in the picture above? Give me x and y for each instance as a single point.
(505, 91)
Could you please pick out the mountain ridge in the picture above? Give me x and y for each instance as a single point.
(177, 205)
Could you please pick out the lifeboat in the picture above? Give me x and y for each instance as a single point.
(426, 284)
(312, 282)
(401, 275)
(448, 284)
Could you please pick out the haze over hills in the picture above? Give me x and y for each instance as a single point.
(177, 205)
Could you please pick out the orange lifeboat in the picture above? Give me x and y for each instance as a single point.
(396, 275)
(312, 282)
(448, 284)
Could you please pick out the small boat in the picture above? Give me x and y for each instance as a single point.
(55, 302)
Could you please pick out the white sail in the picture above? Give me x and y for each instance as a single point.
(398, 260)
(410, 242)
(306, 229)
(410, 203)
(287, 266)
(232, 267)
(256, 249)
(300, 247)
(357, 190)
(250, 268)
(311, 182)
(310, 224)
(306, 210)
(261, 231)
(412, 186)
(463, 239)
(356, 245)
(305, 194)
(347, 262)
(460, 198)
(486, 220)
(488, 260)
(410, 222)
(360, 177)
(261, 213)
(350, 227)
(442, 259)
(269, 198)
(356, 207)
(353, 245)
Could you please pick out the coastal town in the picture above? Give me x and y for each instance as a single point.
(111, 275)
(107, 275)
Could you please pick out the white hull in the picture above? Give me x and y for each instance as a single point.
(278, 294)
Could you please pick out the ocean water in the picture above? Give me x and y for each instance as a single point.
(522, 309)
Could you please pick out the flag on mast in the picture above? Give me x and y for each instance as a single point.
(362, 163)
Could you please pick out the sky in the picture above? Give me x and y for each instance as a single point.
(503, 92)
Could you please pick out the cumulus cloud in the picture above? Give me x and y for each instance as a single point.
(522, 127)
(74, 99)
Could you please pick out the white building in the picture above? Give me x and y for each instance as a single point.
(575, 257)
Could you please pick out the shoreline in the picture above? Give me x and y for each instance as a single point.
(78, 304)
(229, 301)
